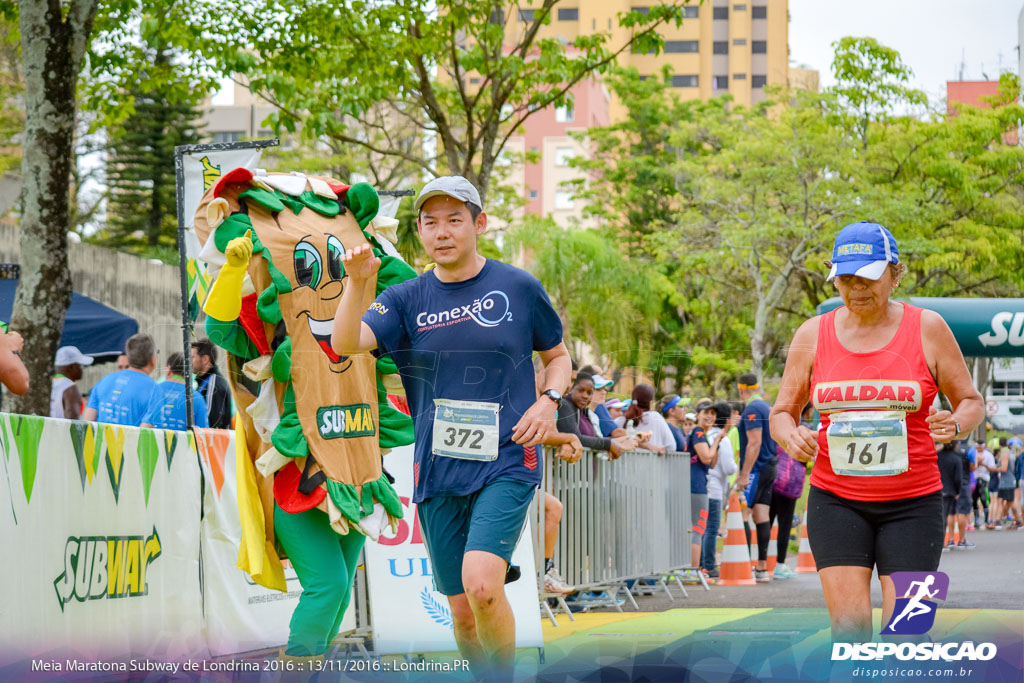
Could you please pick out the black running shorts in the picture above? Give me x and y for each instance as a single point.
(903, 535)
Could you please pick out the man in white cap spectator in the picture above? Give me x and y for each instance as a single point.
(65, 399)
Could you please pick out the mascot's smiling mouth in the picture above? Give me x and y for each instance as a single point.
(321, 331)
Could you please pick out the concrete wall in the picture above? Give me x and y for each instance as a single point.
(148, 291)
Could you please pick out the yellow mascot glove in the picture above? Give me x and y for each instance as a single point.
(225, 299)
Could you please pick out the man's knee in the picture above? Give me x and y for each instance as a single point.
(552, 507)
(483, 578)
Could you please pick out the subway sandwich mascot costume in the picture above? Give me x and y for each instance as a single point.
(313, 425)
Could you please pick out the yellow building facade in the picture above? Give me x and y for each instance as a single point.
(720, 47)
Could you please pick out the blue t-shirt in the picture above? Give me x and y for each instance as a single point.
(755, 416)
(604, 418)
(121, 398)
(698, 470)
(468, 341)
(167, 407)
(680, 437)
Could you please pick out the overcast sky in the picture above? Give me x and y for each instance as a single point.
(933, 36)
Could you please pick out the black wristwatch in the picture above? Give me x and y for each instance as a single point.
(553, 395)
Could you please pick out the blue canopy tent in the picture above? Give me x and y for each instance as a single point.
(97, 330)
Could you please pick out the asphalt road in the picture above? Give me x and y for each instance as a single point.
(989, 576)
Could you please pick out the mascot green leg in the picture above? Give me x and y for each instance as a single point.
(325, 563)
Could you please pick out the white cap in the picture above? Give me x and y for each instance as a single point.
(451, 185)
(70, 355)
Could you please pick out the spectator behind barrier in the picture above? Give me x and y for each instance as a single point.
(214, 388)
(65, 399)
(123, 396)
(572, 419)
(641, 417)
(673, 409)
(167, 407)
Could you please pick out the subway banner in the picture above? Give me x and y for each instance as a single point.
(241, 615)
(100, 527)
(401, 583)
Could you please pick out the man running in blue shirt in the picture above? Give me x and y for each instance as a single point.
(462, 336)
(122, 397)
(167, 409)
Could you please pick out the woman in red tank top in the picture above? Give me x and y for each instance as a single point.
(873, 368)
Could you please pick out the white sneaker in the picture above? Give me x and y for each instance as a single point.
(554, 583)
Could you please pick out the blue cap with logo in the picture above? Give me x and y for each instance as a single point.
(863, 249)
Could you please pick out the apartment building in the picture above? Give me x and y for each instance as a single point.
(720, 47)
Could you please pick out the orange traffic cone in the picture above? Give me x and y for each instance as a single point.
(735, 569)
(773, 548)
(805, 562)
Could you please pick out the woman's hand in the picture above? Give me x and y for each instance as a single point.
(802, 444)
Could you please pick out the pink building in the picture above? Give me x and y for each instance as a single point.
(547, 132)
(972, 92)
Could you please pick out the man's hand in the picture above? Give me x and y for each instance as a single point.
(742, 480)
(360, 263)
(571, 452)
(536, 424)
(802, 444)
(239, 250)
(15, 342)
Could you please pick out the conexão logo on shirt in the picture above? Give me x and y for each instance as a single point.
(345, 422)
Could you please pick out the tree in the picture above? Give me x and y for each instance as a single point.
(774, 188)
(604, 300)
(54, 39)
(871, 82)
(12, 88)
(326, 63)
(952, 191)
(142, 201)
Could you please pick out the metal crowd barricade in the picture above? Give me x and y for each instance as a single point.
(622, 519)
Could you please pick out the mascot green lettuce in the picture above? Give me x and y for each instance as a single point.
(313, 425)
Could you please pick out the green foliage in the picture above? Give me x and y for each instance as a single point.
(605, 300)
(327, 64)
(12, 115)
(141, 204)
(871, 82)
(736, 208)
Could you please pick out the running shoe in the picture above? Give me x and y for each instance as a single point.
(713, 573)
(949, 546)
(554, 583)
(761, 576)
(965, 545)
(783, 572)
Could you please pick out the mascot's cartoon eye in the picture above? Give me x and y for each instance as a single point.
(308, 265)
(335, 250)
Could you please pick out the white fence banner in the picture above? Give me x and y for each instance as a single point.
(241, 615)
(407, 614)
(100, 525)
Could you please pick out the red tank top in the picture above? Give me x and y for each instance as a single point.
(895, 377)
